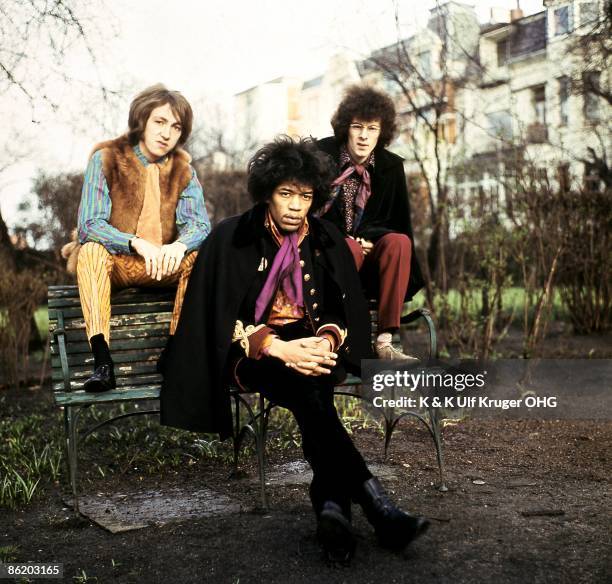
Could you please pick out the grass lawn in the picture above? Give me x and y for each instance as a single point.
(41, 316)
(513, 299)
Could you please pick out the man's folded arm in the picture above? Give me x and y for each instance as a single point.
(192, 220)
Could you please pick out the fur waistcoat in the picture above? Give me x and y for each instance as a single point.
(126, 178)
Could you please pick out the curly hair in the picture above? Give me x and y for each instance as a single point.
(149, 99)
(365, 103)
(287, 159)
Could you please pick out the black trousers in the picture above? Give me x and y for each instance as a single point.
(338, 467)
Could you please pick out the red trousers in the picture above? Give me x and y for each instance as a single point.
(388, 263)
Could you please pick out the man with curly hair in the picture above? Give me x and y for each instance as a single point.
(371, 208)
(274, 305)
(141, 217)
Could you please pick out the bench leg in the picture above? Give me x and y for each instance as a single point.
(437, 437)
(257, 426)
(389, 427)
(260, 443)
(236, 435)
(71, 451)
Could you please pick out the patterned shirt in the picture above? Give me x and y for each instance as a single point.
(192, 222)
(348, 191)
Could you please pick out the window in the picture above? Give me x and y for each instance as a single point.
(564, 91)
(539, 102)
(500, 124)
(588, 14)
(562, 21)
(502, 52)
(590, 83)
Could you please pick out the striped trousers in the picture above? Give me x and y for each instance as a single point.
(98, 270)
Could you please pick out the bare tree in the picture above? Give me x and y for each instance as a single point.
(427, 83)
(36, 37)
(591, 48)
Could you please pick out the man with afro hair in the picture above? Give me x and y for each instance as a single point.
(274, 305)
(370, 206)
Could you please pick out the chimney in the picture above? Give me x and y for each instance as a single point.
(499, 15)
(516, 13)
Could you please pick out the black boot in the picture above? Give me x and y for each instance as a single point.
(335, 534)
(103, 378)
(394, 528)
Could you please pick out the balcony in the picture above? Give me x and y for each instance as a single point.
(537, 133)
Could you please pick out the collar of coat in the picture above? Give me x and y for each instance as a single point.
(384, 158)
(251, 228)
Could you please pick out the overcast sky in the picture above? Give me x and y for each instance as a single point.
(209, 51)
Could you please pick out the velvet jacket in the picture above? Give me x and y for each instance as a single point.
(228, 275)
(387, 209)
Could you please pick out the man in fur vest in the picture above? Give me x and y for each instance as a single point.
(141, 218)
(287, 319)
(371, 208)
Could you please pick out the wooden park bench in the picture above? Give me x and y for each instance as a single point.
(140, 320)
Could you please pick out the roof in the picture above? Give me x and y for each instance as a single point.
(490, 27)
(313, 82)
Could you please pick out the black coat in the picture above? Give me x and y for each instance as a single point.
(223, 287)
(387, 209)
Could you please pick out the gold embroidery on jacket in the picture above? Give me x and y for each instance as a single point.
(242, 334)
(341, 332)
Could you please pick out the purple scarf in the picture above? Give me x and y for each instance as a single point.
(286, 271)
(363, 192)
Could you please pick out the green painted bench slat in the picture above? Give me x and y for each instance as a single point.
(75, 348)
(117, 320)
(72, 291)
(117, 300)
(122, 369)
(143, 308)
(130, 380)
(118, 357)
(121, 333)
(82, 398)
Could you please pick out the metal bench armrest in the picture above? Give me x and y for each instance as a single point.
(425, 315)
(60, 335)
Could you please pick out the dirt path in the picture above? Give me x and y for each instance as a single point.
(528, 502)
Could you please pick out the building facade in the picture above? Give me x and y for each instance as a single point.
(474, 100)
